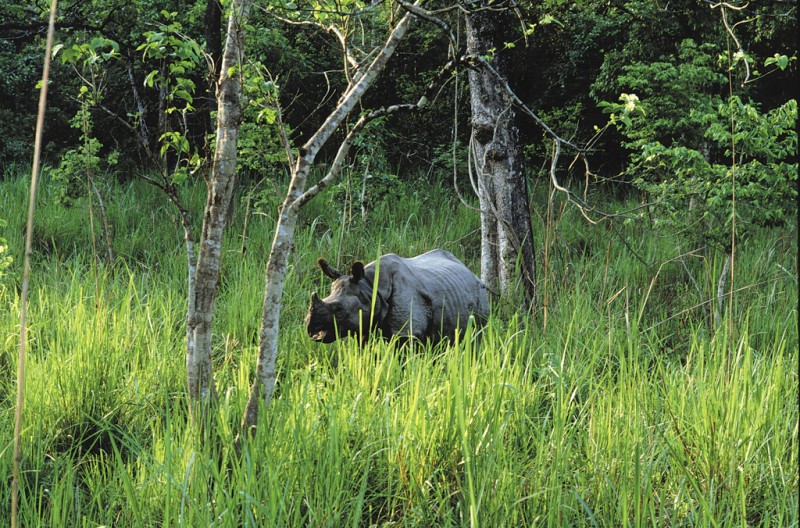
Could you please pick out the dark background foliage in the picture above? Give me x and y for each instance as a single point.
(572, 57)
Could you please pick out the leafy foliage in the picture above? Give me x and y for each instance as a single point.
(78, 165)
(689, 146)
(75, 166)
(765, 179)
(674, 94)
(573, 55)
(371, 180)
(261, 152)
(177, 57)
(19, 65)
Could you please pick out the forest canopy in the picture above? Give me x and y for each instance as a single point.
(126, 66)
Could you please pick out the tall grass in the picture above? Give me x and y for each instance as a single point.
(628, 409)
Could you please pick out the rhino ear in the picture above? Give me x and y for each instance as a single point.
(314, 299)
(329, 272)
(358, 272)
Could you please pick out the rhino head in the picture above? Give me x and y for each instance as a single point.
(346, 311)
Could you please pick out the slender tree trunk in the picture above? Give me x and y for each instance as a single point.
(221, 183)
(723, 279)
(104, 218)
(296, 196)
(507, 259)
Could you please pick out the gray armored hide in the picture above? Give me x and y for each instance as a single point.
(428, 297)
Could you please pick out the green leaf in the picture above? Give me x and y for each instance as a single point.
(183, 94)
(149, 81)
(179, 176)
(781, 61)
(269, 115)
(549, 19)
(70, 55)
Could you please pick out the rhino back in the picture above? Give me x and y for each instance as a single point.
(437, 290)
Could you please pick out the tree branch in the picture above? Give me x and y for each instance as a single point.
(429, 16)
(344, 148)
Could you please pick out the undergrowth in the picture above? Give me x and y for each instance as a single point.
(628, 407)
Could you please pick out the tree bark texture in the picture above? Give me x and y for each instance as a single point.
(203, 285)
(296, 196)
(507, 253)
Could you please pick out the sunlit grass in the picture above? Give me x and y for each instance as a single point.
(630, 408)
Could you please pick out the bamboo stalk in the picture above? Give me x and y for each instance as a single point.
(37, 151)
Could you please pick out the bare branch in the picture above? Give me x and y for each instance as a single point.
(263, 386)
(329, 28)
(582, 206)
(161, 185)
(344, 148)
(726, 5)
(429, 16)
(469, 154)
(723, 6)
(353, 94)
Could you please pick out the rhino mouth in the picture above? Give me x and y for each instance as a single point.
(322, 335)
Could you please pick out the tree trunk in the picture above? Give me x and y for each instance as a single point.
(507, 255)
(104, 218)
(489, 232)
(296, 196)
(203, 280)
(723, 279)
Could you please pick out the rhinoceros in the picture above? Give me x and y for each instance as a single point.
(428, 297)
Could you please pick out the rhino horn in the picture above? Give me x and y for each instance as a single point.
(357, 271)
(329, 271)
